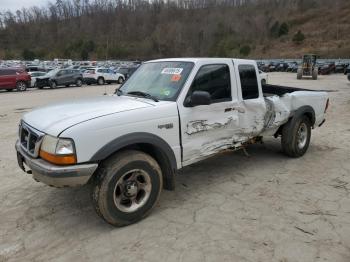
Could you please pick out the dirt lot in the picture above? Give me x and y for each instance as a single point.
(265, 207)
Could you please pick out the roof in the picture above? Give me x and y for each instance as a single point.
(200, 59)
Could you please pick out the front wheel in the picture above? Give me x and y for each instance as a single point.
(21, 86)
(53, 84)
(126, 188)
(296, 135)
(100, 81)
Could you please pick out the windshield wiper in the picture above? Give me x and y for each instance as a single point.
(143, 94)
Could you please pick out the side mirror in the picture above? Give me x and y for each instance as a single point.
(199, 98)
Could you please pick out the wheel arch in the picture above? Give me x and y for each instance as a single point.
(149, 144)
(306, 111)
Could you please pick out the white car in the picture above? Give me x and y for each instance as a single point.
(264, 77)
(171, 113)
(102, 76)
(34, 75)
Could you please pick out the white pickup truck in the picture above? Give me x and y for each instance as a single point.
(169, 114)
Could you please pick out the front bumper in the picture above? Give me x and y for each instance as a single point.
(53, 175)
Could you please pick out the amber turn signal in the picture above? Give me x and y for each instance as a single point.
(58, 159)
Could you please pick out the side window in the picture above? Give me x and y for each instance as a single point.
(100, 71)
(249, 82)
(214, 79)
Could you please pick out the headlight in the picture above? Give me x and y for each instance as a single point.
(60, 151)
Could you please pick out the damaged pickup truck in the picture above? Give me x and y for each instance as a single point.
(169, 114)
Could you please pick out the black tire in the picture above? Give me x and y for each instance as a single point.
(67, 85)
(263, 82)
(79, 82)
(9, 90)
(292, 143)
(100, 81)
(300, 73)
(315, 74)
(21, 86)
(53, 84)
(120, 80)
(106, 186)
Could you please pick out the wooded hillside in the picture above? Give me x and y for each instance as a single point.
(137, 29)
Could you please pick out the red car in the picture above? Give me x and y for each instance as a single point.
(14, 78)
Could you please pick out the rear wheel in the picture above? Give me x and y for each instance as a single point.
(296, 135)
(126, 188)
(79, 83)
(100, 81)
(299, 73)
(21, 86)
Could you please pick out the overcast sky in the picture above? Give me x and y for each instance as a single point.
(14, 5)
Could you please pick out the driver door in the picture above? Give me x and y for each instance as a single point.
(207, 129)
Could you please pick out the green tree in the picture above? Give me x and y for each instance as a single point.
(274, 30)
(28, 54)
(245, 50)
(284, 29)
(299, 37)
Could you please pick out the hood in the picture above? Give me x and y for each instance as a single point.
(55, 118)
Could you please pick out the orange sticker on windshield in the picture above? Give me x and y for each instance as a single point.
(175, 78)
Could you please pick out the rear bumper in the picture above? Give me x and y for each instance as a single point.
(53, 175)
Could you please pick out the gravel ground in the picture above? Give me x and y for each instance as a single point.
(232, 207)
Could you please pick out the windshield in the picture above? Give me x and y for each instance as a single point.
(52, 72)
(162, 80)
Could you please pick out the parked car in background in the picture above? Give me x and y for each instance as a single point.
(32, 68)
(282, 67)
(327, 68)
(126, 71)
(263, 77)
(102, 76)
(340, 67)
(14, 78)
(292, 67)
(347, 70)
(60, 77)
(34, 75)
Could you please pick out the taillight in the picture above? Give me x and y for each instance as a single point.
(327, 105)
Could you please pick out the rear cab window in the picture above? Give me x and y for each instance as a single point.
(249, 82)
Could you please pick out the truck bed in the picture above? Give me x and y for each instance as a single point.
(269, 90)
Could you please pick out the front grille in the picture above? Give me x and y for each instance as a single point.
(30, 139)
